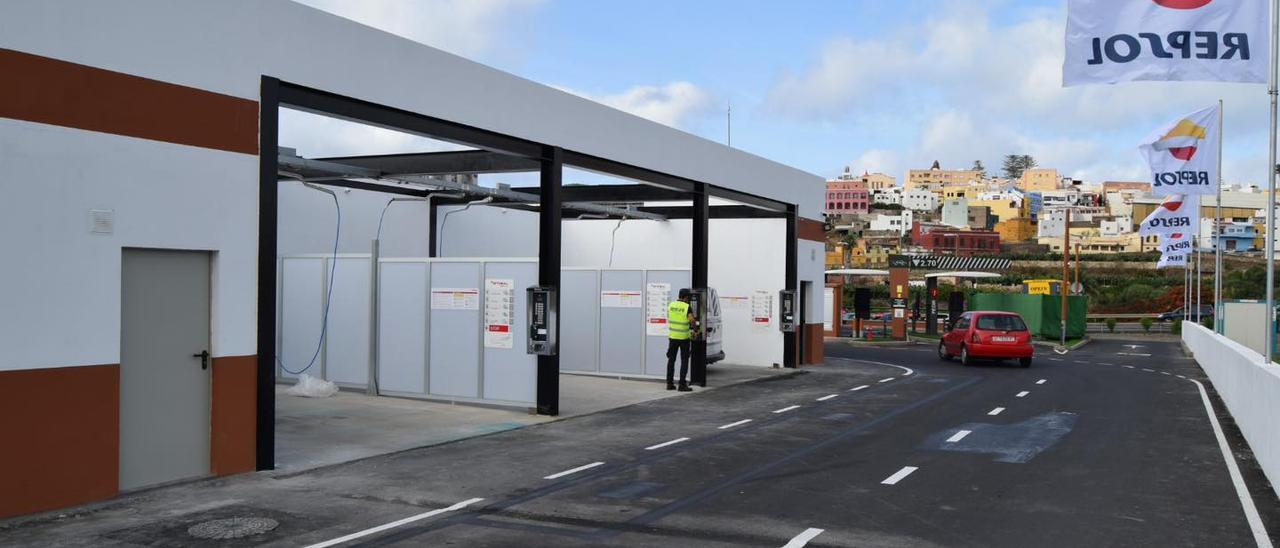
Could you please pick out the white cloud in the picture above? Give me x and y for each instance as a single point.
(470, 28)
(316, 136)
(674, 104)
(968, 89)
(877, 160)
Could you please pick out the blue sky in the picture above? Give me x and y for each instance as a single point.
(879, 85)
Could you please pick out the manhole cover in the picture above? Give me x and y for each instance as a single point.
(229, 528)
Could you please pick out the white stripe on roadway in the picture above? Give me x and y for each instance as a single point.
(886, 380)
(733, 424)
(394, 524)
(665, 444)
(1164, 372)
(573, 470)
(859, 388)
(785, 409)
(1242, 491)
(958, 436)
(1041, 381)
(897, 476)
(827, 397)
(1105, 363)
(803, 538)
(1149, 370)
(1055, 359)
(1022, 394)
(1128, 367)
(996, 411)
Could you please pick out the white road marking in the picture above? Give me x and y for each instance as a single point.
(666, 444)
(958, 436)
(996, 411)
(803, 538)
(1041, 381)
(1132, 354)
(886, 380)
(827, 397)
(1055, 359)
(1164, 372)
(1149, 370)
(897, 476)
(733, 424)
(855, 389)
(1105, 363)
(394, 524)
(785, 409)
(1078, 361)
(1181, 377)
(908, 370)
(574, 470)
(1242, 491)
(1022, 394)
(1128, 367)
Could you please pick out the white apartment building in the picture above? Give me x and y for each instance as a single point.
(955, 212)
(901, 222)
(887, 196)
(918, 199)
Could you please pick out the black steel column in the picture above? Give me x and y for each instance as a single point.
(549, 270)
(698, 274)
(792, 282)
(931, 316)
(268, 209)
(431, 228)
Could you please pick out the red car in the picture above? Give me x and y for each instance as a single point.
(988, 335)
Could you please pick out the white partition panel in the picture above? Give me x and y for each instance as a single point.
(454, 366)
(402, 325)
(655, 362)
(346, 354)
(621, 321)
(579, 320)
(510, 372)
(302, 281)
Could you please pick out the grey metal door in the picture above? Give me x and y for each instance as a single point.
(164, 388)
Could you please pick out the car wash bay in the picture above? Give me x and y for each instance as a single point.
(424, 327)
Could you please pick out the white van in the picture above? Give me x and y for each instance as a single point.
(712, 325)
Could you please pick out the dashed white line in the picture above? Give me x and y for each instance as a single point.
(785, 409)
(574, 470)
(1149, 370)
(1128, 367)
(857, 388)
(1164, 372)
(996, 411)
(1055, 359)
(733, 424)
(886, 380)
(1078, 361)
(897, 476)
(1041, 381)
(394, 524)
(958, 436)
(1181, 377)
(1022, 394)
(827, 397)
(1132, 354)
(1105, 363)
(803, 538)
(666, 444)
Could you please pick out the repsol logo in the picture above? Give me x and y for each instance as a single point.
(1185, 44)
(1171, 222)
(1181, 178)
(1177, 247)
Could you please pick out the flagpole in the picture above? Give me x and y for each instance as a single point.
(1271, 188)
(1217, 230)
(1199, 272)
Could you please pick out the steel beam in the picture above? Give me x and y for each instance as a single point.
(441, 163)
(548, 373)
(698, 275)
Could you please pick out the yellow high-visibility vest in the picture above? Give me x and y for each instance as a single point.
(678, 320)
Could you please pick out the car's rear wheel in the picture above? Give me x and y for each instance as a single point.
(942, 351)
(1024, 362)
(964, 356)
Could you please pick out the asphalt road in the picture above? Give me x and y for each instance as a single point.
(1110, 445)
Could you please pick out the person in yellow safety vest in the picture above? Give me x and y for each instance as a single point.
(681, 324)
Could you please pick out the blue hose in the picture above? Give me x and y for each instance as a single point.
(333, 266)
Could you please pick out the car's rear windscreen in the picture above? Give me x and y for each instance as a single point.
(1001, 323)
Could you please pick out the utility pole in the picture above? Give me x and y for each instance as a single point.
(1066, 251)
(1271, 190)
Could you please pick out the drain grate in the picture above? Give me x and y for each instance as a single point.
(232, 528)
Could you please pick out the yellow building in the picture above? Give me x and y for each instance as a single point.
(1016, 229)
(878, 181)
(1004, 209)
(934, 178)
(1039, 179)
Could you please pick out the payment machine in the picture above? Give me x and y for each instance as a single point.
(698, 305)
(542, 301)
(787, 310)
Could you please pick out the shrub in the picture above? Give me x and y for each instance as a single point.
(1111, 325)
(1146, 324)
(1176, 328)
(1207, 322)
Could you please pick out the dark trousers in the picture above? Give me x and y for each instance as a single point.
(673, 346)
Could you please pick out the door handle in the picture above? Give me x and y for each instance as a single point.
(204, 358)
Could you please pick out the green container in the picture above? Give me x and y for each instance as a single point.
(1043, 313)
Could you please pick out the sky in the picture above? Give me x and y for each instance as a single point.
(877, 85)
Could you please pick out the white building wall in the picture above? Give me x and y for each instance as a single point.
(919, 200)
(61, 297)
(955, 212)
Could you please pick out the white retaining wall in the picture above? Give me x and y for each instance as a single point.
(1250, 390)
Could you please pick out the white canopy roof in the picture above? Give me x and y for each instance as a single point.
(859, 272)
(963, 275)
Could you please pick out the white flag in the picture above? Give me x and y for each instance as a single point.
(1176, 214)
(1110, 41)
(1183, 154)
(1173, 261)
(1175, 244)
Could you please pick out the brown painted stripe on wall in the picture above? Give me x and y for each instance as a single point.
(49, 91)
(809, 229)
(60, 434)
(234, 415)
(813, 339)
